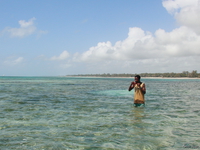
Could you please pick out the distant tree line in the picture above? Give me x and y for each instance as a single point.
(188, 74)
(192, 74)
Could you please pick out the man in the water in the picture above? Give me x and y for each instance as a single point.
(140, 90)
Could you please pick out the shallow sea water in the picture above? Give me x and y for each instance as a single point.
(61, 113)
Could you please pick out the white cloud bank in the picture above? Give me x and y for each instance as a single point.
(25, 29)
(140, 45)
(164, 50)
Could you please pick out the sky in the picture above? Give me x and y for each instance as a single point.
(68, 37)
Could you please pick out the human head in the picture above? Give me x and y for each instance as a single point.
(137, 78)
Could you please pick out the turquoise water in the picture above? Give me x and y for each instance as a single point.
(60, 113)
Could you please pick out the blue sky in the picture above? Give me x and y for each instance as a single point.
(49, 38)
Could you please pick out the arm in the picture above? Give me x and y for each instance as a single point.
(143, 89)
(131, 86)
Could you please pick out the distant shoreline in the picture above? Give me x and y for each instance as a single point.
(85, 76)
(168, 78)
(131, 77)
(168, 75)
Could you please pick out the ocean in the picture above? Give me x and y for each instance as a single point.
(64, 113)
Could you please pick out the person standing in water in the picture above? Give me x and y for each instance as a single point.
(140, 90)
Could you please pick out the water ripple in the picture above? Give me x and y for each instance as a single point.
(97, 113)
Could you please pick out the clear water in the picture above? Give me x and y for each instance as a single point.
(60, 113)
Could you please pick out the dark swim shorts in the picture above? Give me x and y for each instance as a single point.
(138, 105)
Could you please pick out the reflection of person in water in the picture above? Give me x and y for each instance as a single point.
(140, 90)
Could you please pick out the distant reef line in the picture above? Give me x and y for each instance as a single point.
(184, 74)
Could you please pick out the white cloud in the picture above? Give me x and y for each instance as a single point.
(64, 55)
(25, 29)
(187, 12)
(174, 6)
(13, 60)
(24, 24)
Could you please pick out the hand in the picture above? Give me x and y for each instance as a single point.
(133, 84)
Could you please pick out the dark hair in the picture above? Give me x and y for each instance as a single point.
(138, 76)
